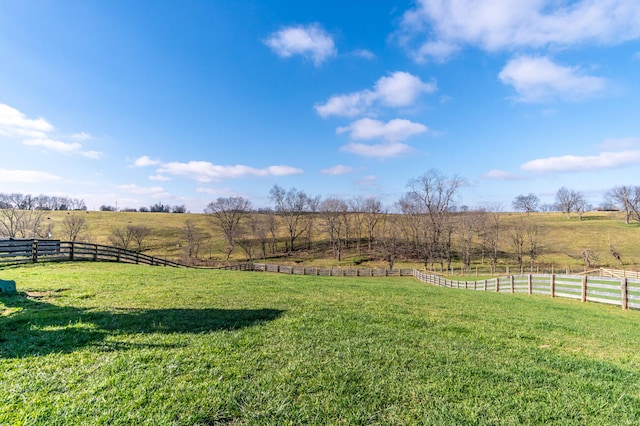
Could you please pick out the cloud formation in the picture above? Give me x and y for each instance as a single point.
(566, 163)
(436, 29)
(538, 79)
(27, 176)
(398, 89)
(393, 131)
(337, 170)
(204, 171)
(380, 151)
(310, 41)
(37, 133)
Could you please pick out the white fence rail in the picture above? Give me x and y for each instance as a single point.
(623, 292)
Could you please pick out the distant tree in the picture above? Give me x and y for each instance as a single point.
(627, 198)
(226, 214)
(292, 206)
(389, 239)
(105, 208)
(121, 237)
(139, 234)
(160, 208)
(143, 209)
(179, 209)
(332, 212)
(194, 237)
(468, 226)
(73, 226)
(526, 203)
(569, 200)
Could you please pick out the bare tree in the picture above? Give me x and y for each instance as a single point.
(389, 239)
(226, 213)
(139, 234)
(569, 200)
(372, 209)
(332, 212)
(121, 237)
(73, 226)
(491, 236)
(19, 220)
(291, 206)
(588, 257)
(194, 237)
(436, 194)
(526, 203)
(534, 244)
(469, 225)
(518, 241)
(628, 198)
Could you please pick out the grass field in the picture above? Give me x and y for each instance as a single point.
(87, 343)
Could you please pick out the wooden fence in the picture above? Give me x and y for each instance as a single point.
(624, 292)
(32, 251)
(333, 272)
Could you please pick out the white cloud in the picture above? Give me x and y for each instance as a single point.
(151, 191)
(367, 181)
(436, 28)
(398, 89)
(310, 41)
(337, 170)
(381, 151)
(538, 79)
(393, 131)
(565, 163)
(145, 161)
(501, 175)
(53, 145)
(37, 133)
(15, 123)
(203, 171)
(27, 176)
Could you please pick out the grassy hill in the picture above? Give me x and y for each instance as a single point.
(564, 240)
(86, 343)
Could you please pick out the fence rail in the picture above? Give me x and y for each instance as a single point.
(32, 251)
(333, 272)
(623, 292)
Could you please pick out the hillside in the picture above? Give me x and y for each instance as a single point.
(563, 241)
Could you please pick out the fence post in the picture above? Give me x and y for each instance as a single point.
(584, 288)
(498, 285)
(95, 252)
(530, 284)
(513, 284)
(552, 285)
(485, 285)
(624, 295)
(118, 254)
(71, 251)
(34, 251)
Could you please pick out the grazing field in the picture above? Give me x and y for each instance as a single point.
(91, 343)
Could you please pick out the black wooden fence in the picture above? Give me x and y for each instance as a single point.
(32, 251)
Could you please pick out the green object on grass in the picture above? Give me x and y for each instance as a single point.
(7, 286)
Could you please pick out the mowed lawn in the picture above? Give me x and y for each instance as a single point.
(92, 343)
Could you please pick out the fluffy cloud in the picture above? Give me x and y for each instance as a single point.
(337, 170)
(27, 176)
(398, 89)
(538, 79)
(203, 171)
(145, 161)
(310, 41)
(37, 133)
(435, 29)
(565, 163)
(394, 131)
(152, 191)
(381, 151)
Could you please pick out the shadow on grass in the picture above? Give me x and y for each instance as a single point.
(31, 326)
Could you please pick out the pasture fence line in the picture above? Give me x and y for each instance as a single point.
(622, 291)
(33, 251)
(333, 272)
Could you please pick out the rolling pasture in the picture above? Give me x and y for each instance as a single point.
(96, 343)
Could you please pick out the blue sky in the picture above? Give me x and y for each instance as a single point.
(137, 102)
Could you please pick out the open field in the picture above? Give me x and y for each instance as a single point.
(86, 343)
(563, 240)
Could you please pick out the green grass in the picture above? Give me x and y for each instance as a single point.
(87, 343)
